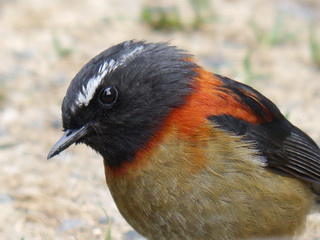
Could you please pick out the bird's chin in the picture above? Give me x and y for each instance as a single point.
(95, 146)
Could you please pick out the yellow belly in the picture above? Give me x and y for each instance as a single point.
(209, 190)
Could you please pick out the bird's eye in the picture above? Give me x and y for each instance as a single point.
(108, 96)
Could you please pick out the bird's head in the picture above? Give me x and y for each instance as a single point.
(119, 99)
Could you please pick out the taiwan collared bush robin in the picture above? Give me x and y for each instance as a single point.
(189, 154)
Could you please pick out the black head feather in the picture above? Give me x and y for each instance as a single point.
(151, 80)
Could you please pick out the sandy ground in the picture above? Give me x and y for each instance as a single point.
(44, 44)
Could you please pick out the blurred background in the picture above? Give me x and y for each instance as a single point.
(272, 45)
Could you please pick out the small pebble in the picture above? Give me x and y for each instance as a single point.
(133, 235)
(105, 220)
(97, 231)
(72, 224)
(5, 198)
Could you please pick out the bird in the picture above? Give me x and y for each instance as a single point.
(190, 154)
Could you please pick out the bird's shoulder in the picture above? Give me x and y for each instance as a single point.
(286, 148)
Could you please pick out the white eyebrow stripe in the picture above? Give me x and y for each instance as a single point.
(88, 91)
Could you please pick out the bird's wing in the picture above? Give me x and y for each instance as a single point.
(288, 150)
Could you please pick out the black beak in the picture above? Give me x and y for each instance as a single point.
(68, 138)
